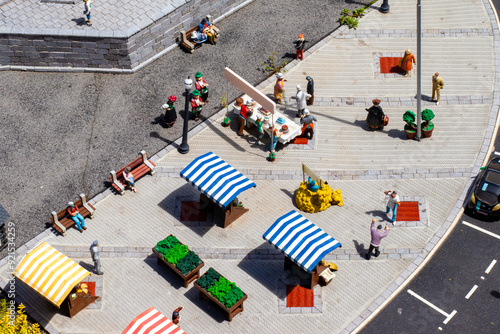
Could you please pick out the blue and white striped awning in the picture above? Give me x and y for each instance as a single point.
(300, 240)
(216, 179)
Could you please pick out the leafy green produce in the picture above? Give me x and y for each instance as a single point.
(208, 279)
(176, 253)
(232, 297)
(163, 246)
(188, 263)
(220, 288)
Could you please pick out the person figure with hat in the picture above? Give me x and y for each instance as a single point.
(202, 86)
(244, 113)
(207, 30)
(75, 215)
(406, 63)
(196, 104)
(375, 118)
(94, 252)
(301, 97)
(129, 178)
(307, 124)
(299, 46)
(176, 317)
(377, 235)
(310, 90)
(279, 87)
(437, 85)
(170, 113)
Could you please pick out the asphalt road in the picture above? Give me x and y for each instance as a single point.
(61, 133)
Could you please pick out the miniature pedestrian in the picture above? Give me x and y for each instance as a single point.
(377, 235)
(279, 88)
(170, 113)
(299, 46)
(375, 117)
(207, 31)
(202, 86)
(196, 104)
(244, 114)
(274, 139)
(310, 90)
(176, 317)
(75, 215)
(94, 252)
(307, 124)
(406, 63)
(392, 204)
(437, 85)
(259, 123)
(301, 97)
(129, 178)
(87, 7)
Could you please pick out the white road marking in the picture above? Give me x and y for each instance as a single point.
(482, 277)
(448, 316)
(490, 266)
(440, 328)
(496, 153)
(481, 229)
(471, 292)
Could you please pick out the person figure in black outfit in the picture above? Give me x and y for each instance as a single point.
(375, 118)
(299, 45)
(170, 113)
(310, 90)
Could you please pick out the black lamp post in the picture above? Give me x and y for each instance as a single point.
(184, 148)
(385, 7)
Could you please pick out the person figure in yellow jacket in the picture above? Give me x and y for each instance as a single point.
(437, 85)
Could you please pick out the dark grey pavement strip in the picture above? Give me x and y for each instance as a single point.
(409, 33)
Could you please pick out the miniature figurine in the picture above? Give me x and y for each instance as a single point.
(375, 118)
(301, 97)
(202, 86)
(87, 6)
(312, 185)
(196, 104)
(75, 215)
(170, 113)
(279, 88)
(392, 204)
(244, 114)
(94, 252)
(274, 139)
(307, 124)
(437, 85)
(377, 236)
(259, 123)
(299, 45)
(176, 317)
(310, 90)
(406, 63)
(207, 30)
(129, 178)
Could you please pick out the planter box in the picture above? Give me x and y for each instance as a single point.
(231, 312)
(188, 278)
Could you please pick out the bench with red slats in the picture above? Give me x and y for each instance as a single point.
(139, 166)
(61, 220)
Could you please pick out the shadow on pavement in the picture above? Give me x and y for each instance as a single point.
(360, 248)
(87, 266)
(165, 272)
(377, 214)
(495, 293)
(208, 307)
(395, 133)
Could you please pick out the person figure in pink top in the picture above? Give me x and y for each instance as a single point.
(129, 178)
(377, 235)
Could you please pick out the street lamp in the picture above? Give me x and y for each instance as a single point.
(385, 7)
(184, 148)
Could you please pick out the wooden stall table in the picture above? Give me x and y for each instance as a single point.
(77, 301)
(219, 184)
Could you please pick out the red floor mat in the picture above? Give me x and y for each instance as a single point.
(190, 212)
(297, 296)
(408, 212)
(299, 141)
(390, 65)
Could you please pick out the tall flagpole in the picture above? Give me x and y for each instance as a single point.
(419, 69)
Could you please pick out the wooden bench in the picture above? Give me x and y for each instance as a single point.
(61, 220)
(139, 166)
(188, 43)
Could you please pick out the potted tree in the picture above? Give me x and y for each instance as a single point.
(410, 127)
(427, 126)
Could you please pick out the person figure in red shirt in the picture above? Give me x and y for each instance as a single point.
(74, 213)
(202, 86)
(176, 317)
(242, 120)
(196, 104)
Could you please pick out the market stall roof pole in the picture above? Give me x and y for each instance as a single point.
(250, 90)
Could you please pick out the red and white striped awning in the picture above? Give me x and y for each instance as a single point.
(152, 321)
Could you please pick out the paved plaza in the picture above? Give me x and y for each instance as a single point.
(459, 44)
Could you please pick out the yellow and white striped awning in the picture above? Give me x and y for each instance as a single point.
(50, 273)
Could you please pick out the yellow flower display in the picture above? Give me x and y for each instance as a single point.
(320, 200)
(19, 325)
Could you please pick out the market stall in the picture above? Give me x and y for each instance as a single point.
(219, 184)
(56, 277)
(152, 321)
(303, 244)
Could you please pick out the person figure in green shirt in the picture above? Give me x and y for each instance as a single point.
(258, 123)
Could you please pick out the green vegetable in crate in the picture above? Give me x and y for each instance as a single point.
(220, 288)
(232, 297)
(176, 253)
(188, 263)
(208, 279)
(163, 246)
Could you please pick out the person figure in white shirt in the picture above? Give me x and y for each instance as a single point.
(392, 204)
(301, 98)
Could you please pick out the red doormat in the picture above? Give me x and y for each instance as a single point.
(190, 212)
(408, 212)
(390, 65)
(297, 296)
(90, 287)
(299, 141)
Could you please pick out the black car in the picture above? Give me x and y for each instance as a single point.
(485, 197)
